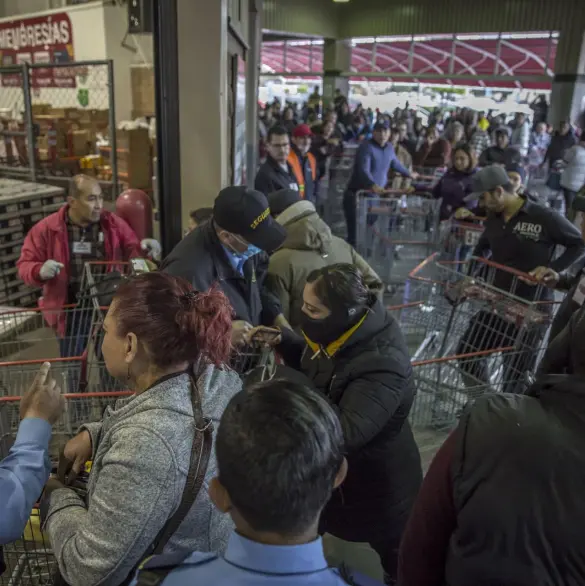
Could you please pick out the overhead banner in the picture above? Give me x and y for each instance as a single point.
(41, 39)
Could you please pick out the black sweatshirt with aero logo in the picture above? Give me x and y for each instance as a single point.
(529, 240)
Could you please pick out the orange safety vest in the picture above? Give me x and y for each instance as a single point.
(295, 163)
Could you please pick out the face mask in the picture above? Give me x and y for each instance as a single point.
(328, 329)
(242, 257)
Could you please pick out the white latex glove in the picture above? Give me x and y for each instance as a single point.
(50, 269)
(152, 246)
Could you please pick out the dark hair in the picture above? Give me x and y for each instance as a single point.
(173, 322)
(201, 215)
(279, 448)
(276, 131)
(340, 286)
(469, 152)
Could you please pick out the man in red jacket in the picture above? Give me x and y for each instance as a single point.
(57, 248)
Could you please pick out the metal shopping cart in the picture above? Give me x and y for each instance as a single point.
(30, 561)
(458, 238)
(481, 338)
(395, 233)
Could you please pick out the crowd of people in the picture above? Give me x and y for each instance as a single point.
(205, 475)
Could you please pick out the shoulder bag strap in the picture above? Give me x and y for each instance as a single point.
(200, 452)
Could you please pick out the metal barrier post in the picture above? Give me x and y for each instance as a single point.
(112, 122)
(28, 120)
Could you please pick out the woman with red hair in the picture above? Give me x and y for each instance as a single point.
(169, 344)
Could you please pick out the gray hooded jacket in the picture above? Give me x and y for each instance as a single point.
(141, 453)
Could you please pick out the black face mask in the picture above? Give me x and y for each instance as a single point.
(328, 329)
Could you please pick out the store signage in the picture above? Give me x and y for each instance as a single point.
(39, 40)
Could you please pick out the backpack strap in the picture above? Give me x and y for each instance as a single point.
(200, 452)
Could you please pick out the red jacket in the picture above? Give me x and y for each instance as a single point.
(48, 239)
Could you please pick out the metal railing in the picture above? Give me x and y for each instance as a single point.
(51, 118)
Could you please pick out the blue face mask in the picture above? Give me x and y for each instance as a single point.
(241, 257)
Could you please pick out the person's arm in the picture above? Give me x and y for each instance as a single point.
(134, 496)
(483, 245)
(128, 240)
(278, 284)
(425, 541)
(364, 166)
(271, 308)
(33, 255)
(291, 348)
(23, 473)
(372, 396)
(566, 234)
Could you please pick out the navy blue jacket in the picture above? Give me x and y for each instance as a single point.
(372, 164)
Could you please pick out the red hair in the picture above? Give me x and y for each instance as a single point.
(173, 321)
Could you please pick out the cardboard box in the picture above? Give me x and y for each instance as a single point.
(41, 109)
(79, 143)
(143, 90)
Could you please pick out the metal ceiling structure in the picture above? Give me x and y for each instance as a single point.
(483, 60)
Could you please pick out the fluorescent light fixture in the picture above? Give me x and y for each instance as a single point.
(341, 1)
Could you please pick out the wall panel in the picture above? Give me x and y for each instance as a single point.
(364, 18)
(309, 17)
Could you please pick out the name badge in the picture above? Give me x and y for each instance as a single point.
(579, 295)
(82, 248)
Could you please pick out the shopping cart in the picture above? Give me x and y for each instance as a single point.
(494, 335)
(396, 233)
(458, 238)
(30, 561)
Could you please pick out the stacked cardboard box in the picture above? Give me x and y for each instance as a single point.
(22, 204)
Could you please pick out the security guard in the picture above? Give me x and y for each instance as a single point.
(279, 451)
(521, 234)
(230, 250)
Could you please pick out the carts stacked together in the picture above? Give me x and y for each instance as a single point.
(472, 326)
(70, 339)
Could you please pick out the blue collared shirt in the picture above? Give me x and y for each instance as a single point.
(247, 563)
(23, 473)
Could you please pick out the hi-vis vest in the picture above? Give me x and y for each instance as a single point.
(297, 169)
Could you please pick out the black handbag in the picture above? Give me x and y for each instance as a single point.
(199, 460)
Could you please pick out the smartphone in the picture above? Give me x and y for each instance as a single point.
(266, 334)
(139, 265)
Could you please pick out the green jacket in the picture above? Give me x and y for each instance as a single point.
(309, 245)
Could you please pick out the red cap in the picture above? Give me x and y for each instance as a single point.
(302, 130)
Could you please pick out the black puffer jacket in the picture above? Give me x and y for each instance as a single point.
(370, 382)
(518, 485)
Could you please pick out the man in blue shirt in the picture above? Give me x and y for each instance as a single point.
(25, 470)
(279, 452)
(373, 161)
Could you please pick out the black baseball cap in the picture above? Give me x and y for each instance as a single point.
(487, 179)
(282, 199)
(245, 212)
